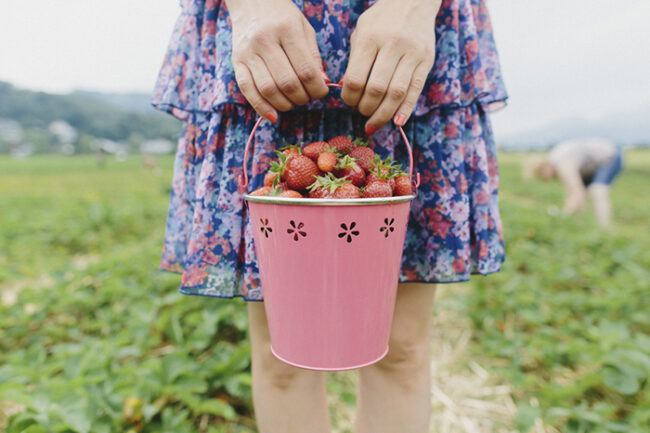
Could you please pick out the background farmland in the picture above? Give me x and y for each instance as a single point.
(93, 338)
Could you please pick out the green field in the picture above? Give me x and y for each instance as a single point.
(93, 338)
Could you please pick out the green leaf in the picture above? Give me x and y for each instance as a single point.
(217, 407)
(621, 381)
(173, 366)
(149, 411)
(35, 428)
(525, 417)
(19, 423)
(79, 420)
(171, 419)
(190, 384)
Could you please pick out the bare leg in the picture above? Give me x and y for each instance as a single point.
(394, 394)
(287, 399)
(600, 195)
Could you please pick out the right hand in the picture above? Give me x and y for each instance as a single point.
(275, 55)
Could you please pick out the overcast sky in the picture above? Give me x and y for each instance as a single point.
(560, 58)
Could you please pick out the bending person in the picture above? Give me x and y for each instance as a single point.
(585, 167)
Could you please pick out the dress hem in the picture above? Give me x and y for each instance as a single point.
(188, 293)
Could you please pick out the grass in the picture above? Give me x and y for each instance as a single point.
(93, 338)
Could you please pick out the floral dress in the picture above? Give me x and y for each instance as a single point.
(454, 229)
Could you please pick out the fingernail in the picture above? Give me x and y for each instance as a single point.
(342, 78)
(399, 119)
(325, 77)
(370, 129)
(272, 116)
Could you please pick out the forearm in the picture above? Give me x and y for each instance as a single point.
(568, 173)
(574, 189)
(574, 201)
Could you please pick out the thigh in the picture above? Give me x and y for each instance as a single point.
(412, 321)
(258, 328)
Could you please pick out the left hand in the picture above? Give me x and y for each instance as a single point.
(396, 40)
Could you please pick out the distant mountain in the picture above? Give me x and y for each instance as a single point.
(113, 117)
(628, 129)
(135, 102)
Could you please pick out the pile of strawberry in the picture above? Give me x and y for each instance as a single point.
(338, 168)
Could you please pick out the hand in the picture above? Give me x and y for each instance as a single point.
(275, 55)
(395, 43)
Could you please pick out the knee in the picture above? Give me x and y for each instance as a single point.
(277, 374)
(406, 354)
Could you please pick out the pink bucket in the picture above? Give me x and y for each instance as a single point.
(329, 270)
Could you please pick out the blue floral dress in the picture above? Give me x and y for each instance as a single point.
(454, 229)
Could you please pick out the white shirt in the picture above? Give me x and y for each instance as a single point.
(585, 155)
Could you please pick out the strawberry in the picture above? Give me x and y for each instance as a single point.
(300, 172)
(329, 186)
(319, 193)
(314, 149)
(265, 190)
(378, 188)
(291, 150)
(383, 170)
(347, 190)
(383, 175)
(341, 143)
(349, 169)
(402, 185)
(327, 161)
(364, 155)
(323, 187)
(291, 194)
(270, 177)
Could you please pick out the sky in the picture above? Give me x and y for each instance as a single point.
(560, 58)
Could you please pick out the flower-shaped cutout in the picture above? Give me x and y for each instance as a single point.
(347, 233)
(296, 230)
(265, 228)
(388, 227)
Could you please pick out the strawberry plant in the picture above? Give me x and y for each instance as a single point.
(94, 338)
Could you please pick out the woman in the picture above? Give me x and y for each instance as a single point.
(585, 167)
(229, 60)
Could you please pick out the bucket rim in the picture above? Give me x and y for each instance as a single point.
(328, 201)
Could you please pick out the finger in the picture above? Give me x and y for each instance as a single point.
(266, 85)
(303, 54)
(380, 77)
(284, 76)
(415, 89)
(394, 96)
(317, 88)
(362, 56)
(247, 86)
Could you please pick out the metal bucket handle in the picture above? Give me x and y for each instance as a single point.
(415, 182)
